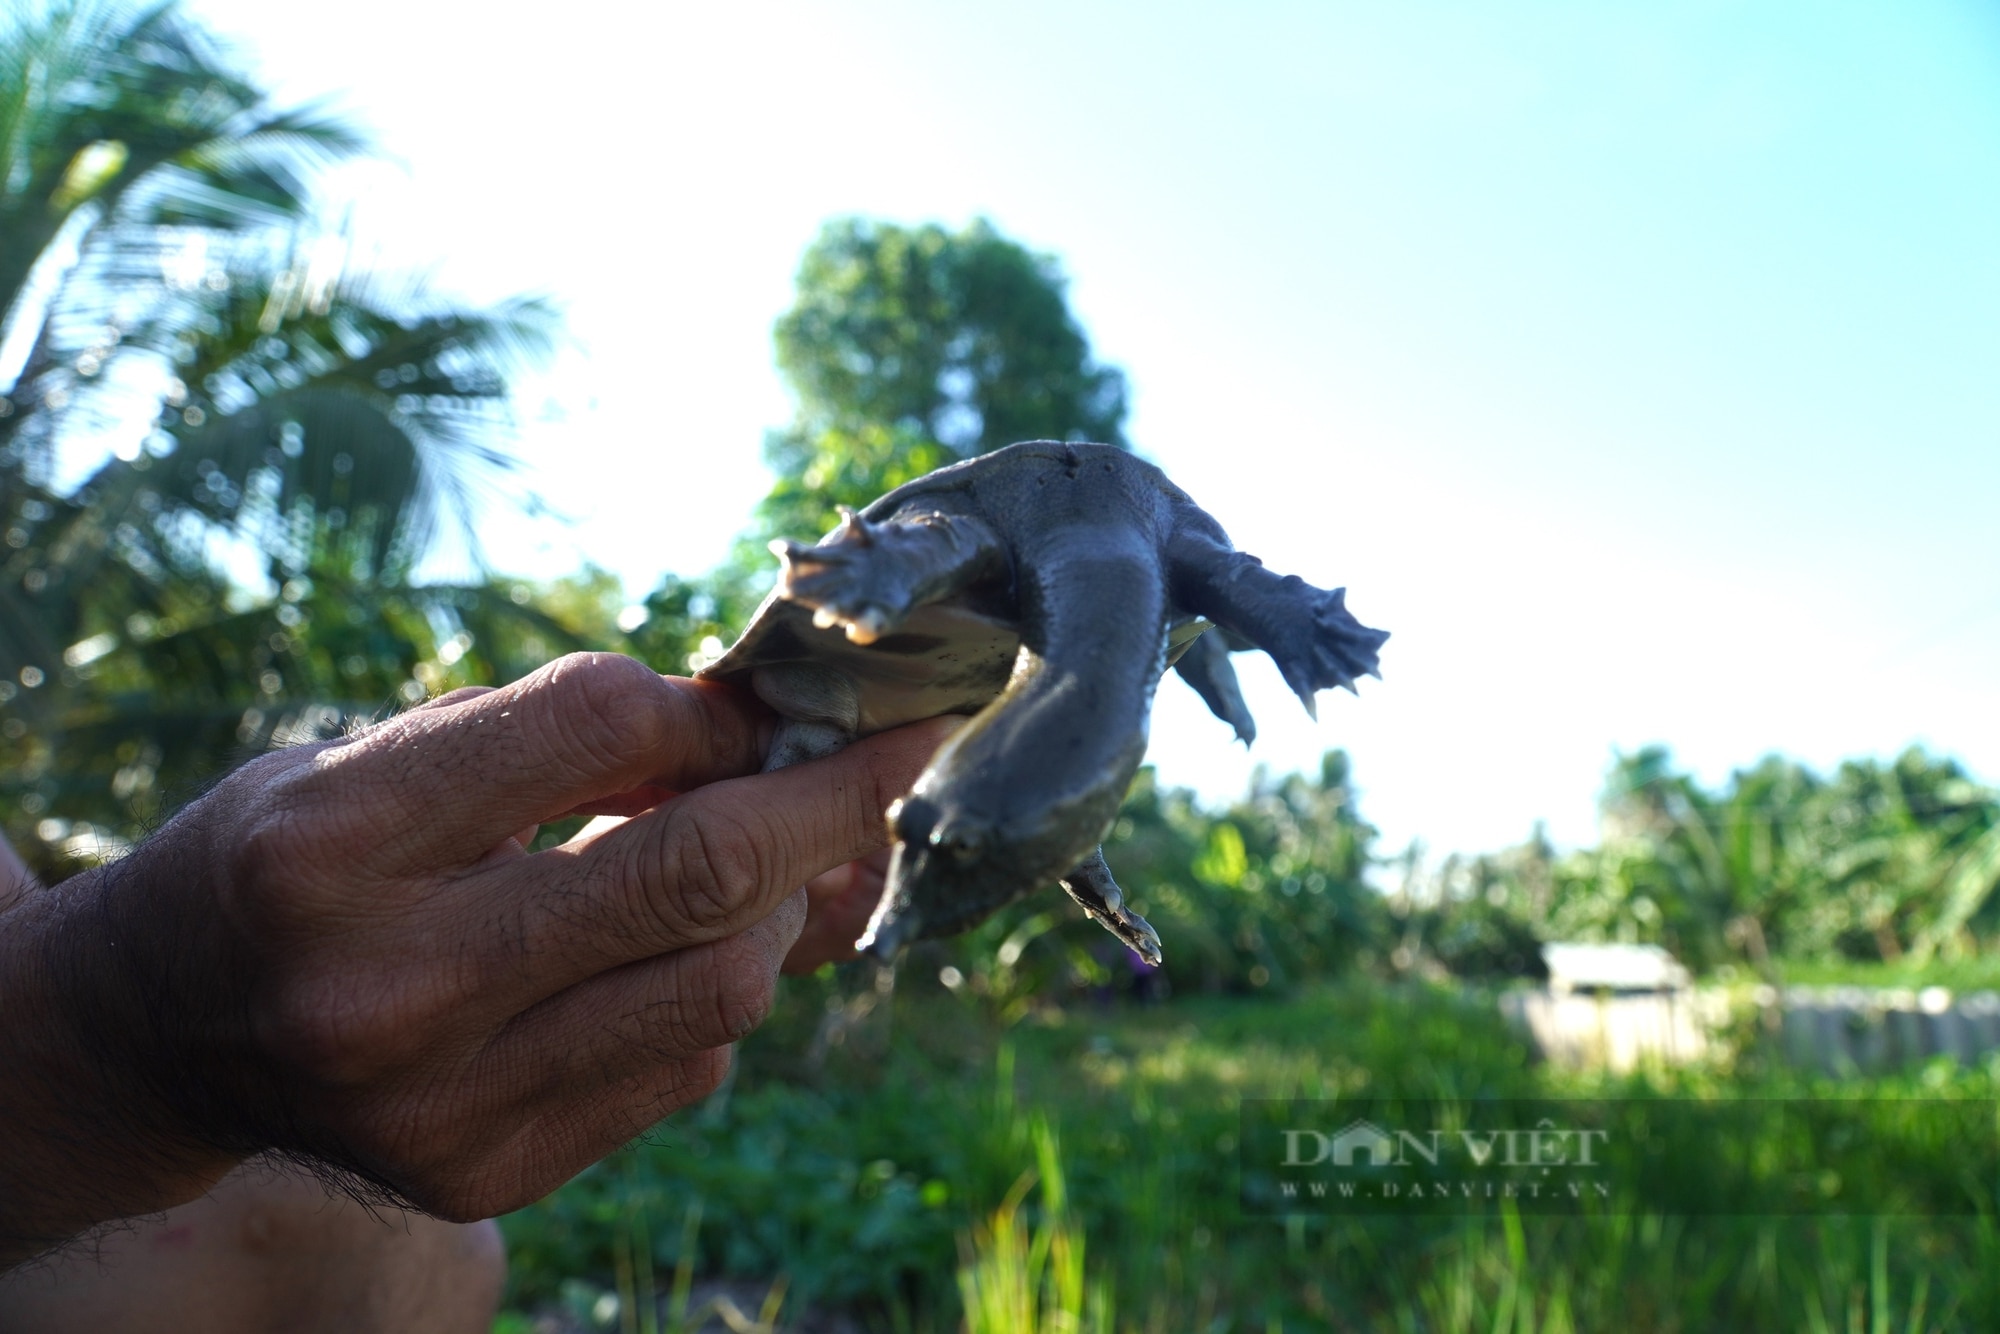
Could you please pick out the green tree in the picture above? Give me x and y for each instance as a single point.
(120, 126)
(1873, 862)
(287, 433)
(912, 347)
(123, 135)
(906, 348)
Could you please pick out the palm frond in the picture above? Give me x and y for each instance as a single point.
(127, 120)
(257, 397)
(270, 375)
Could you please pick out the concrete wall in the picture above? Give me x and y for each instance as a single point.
(1620, 1032)
(1844, 1030)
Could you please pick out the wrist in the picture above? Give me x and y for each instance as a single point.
(89, 1131)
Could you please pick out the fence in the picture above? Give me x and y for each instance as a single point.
(1842, 1030)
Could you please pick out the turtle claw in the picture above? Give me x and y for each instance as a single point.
(884, 940)
(852, 580)
(1091, 885)
(1325, 648)
(867, 627)
(1205, 666)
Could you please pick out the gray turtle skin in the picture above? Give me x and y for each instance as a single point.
(1043, 589)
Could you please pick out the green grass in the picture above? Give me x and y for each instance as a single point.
(886, 1176)
(1979, 972)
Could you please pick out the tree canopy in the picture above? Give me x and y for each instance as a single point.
(911, 347)
(906, 348)
(278, 433)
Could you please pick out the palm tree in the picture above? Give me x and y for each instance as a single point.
(286, 432)
(122, 136)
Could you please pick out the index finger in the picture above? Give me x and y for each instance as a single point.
(700, 868)
(441, 786)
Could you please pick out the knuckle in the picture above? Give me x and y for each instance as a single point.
(272, 815)
(721, 993)
(743, 1002)
(704, 1075)
(270, 860)
(666, 1090)
(660, 1092)
(266, 849)
(713, 869)
(610, 708)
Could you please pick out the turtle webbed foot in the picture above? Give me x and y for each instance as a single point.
(1323, 648)
(1091, 885)
(1308, 631)
(868, 577)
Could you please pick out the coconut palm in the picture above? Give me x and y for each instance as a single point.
(123, 136)
(281, 433)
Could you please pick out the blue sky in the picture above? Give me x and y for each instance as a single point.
(1637, 366)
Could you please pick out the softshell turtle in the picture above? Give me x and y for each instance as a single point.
(1043, 588)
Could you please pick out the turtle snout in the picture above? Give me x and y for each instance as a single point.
(913, 819)
(947, 873)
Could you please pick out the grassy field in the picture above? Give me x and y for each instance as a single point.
(1979, 972)
(923, 1168)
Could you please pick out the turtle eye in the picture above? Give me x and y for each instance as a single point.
(964, 846)
(913, 819)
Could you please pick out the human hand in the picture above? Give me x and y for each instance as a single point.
(838, 906)
(341, 953)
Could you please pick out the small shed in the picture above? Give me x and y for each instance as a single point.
(1617, 970)
(1618, 1006)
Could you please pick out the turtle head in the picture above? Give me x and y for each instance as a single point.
(996, 815)
(953, 867)
(950, 870)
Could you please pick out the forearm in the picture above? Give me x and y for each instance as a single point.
(85, 1135)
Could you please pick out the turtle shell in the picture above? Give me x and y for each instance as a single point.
(946, 657)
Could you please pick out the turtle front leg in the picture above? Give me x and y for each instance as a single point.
(867, 577)
(1307, 631)
(1089, 882)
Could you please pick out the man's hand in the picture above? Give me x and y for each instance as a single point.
(343, 952)
(838, 906)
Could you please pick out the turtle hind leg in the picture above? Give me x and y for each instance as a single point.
(819, 710)
(1089, 882)
(1206, 667)
(1308, 631)
(796, 741)
(1325, 646)
(867, 577)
